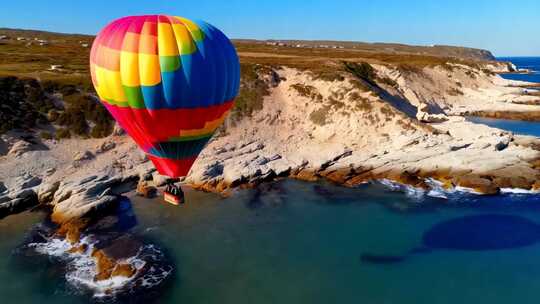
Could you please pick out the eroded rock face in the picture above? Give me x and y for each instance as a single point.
(27, 181)
(19, 148)
(46, 192)
(105, 146)
(82, 155)
(3, 188)
(76, 199)
(17, 202)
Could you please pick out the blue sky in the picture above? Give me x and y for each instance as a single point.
(504, 27)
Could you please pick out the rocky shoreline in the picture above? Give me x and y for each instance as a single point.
(404, 126)
(406, 132)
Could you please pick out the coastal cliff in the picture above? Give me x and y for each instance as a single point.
(351, 122)
(348, 113)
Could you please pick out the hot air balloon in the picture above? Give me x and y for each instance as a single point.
(168, 81)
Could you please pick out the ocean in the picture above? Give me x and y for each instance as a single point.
(530, 63)
(299, 242)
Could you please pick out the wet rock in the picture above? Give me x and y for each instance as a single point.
(146, 190)
(478, 184)
(104, 265)
(122, 247)
(306, 175)
(80, 249)
(71, 230)
(123, 270)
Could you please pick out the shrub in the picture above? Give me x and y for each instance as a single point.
(454, 92)
(101, 130)
(362, 70)
(45, 135)
(63, 133)
(319, 116)
(253, 88)
(388, 81)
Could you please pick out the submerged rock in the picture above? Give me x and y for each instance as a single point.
(101, 256)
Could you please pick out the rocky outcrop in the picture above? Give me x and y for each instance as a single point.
(46, 192)
(309, 132)
(83, 155)
(76, 199)
(17, 202)
(19, 148)
(27, 181)
(105, 146)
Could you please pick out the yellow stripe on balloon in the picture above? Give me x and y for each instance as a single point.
(149, 70)
(110, 85)
(184, 41)
(209, 127)
(193, 28)
(129, 69)
(166, 40)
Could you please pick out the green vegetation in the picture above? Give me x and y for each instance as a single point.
(319, 116)
(82, 108)
(307, 91)
(360, 103)
(362, 70)
(471, 74)
(388, 81)
(26, 104)
(45, 135)
(253, 88)
(454, 92)
(23, 104)
(63, 133)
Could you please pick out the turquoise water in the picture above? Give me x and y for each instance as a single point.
(299, 242)
(530, 63)
(516, 126)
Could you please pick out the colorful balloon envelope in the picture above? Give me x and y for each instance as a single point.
(168, 81)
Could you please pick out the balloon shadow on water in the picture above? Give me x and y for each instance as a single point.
(482, 232)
